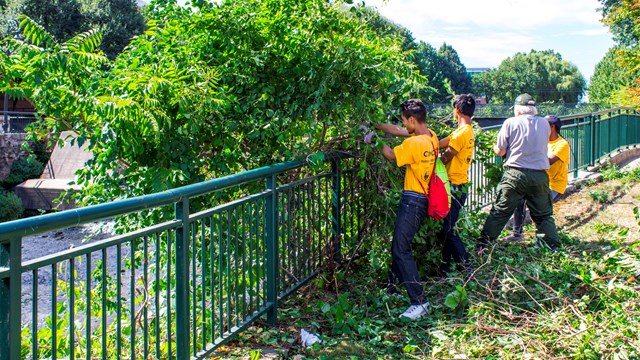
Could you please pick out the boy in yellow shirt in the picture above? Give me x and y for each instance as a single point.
(457, 158)
(558, 154)
(417, 154)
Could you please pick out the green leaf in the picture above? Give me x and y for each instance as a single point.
(452, 301)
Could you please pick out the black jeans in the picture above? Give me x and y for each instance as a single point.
(411, 212)
(452, 247)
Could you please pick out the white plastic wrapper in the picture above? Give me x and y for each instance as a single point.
(308, 338)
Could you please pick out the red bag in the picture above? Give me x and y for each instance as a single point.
(439, 195)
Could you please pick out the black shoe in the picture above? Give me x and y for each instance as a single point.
(514, 237)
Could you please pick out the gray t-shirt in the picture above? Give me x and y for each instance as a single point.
(525, 138)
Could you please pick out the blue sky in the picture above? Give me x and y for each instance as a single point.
(486, 32)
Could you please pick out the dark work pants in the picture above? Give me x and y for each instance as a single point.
(518, 215)
(411, 213)
(532, 186)
(452, 247)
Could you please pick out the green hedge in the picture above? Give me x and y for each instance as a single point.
(23, 169)
(10, 206)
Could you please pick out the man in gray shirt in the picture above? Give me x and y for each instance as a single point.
(523, 140)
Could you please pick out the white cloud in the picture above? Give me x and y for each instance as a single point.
(504, 14)
(486, 50)
(486, 32)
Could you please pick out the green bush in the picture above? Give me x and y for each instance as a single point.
(10, 206)
(600, 196)
(23, 169)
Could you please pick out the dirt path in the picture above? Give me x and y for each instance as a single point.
(602, 212)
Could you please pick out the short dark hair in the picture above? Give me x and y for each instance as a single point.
(415, 108)
(465, 103)
(554, 121)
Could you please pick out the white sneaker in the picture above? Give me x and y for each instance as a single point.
(416, 311)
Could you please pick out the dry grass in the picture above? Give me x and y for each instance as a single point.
(588, 217)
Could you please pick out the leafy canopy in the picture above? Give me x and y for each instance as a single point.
(623, 19)
(608, 79)
(205, 93)
(543, 74)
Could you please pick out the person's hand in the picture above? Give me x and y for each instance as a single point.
(370, 137)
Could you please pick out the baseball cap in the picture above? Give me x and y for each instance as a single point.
(525, 99)
(554, 121)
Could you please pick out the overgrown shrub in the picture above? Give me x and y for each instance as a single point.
(10, 206)
(23, 169)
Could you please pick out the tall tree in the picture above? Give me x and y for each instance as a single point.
(543, 74)
(61, 18)
(428, 62)
(623, 18)
(120, 20)
(453, 69)
(608, 79)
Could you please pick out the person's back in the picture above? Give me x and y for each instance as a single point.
(525, 137)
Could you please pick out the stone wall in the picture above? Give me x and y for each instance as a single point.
(10, 151)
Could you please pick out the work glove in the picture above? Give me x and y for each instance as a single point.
(370, 138)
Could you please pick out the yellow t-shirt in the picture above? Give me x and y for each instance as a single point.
(417, 154)
(559, 171)
(461, 140)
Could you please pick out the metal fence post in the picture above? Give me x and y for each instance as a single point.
(636, 127)
(591, 148)
(272, 250)
(576, 154)
(5, 121)
(10, 295)
(182, 280)
(336, 206)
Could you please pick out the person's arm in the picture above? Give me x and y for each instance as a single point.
(553, 158)
(448, 154)
(392, 129)
(444, 142)
(388, 153)
(502, 142)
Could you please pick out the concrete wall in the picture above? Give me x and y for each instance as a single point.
(10, 151)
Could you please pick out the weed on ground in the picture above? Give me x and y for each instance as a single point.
(521, 302)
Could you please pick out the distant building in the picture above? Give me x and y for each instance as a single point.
(476, 71)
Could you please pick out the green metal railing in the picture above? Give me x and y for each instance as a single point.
(180, 288)
(592, 137)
